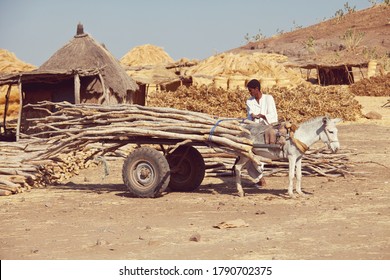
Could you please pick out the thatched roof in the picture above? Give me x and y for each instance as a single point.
(84, 52)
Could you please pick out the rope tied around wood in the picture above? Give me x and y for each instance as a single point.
(218, 122)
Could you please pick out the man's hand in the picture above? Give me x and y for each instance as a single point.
(258, 116)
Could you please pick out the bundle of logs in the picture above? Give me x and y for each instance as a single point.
(71, 137)
(19, 170)
(22, 167)
(68, 127)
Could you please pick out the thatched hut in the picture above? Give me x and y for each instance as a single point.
(82, 71)
(109, 85)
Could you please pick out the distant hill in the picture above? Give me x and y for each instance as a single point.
(353, 38)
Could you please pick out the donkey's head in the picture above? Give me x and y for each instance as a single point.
(256, 132)
(328, 134)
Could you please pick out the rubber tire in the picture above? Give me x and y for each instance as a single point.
(146, 158)
(191, 171)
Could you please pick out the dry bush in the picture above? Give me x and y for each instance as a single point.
(213, 101)
(297, 104)
(375, 86)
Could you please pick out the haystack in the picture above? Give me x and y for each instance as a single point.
(237, 69)
(147, 65)
(9, 63)
(146, 55)
(151, 67)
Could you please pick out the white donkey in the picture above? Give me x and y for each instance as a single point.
(309, 132)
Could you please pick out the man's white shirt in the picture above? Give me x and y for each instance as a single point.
(266, 107)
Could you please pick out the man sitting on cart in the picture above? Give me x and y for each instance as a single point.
(261, 108)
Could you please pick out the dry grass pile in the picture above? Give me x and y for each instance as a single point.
(146, 55)
(146, 64)
(249, 65)
(13, 106)
(204, 99)
(9, 63)
(297, 104)
(305, 102)
(375, 86)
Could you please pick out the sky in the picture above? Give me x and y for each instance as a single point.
(195, 29)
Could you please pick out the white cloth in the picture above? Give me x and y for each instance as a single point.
(266, 107)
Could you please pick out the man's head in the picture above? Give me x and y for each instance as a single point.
(253, 84)
(254, 88)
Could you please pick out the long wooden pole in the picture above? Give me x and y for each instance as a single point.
(77, 88)
(21, 101)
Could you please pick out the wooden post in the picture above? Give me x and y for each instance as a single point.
(361, 72)
(6, 108)
(77, 88)
(318, 76)
(349, 75)
(20, 108)
(104, 96)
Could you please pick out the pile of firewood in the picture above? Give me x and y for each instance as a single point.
(23, 165)
(19, 168)
(72, 127)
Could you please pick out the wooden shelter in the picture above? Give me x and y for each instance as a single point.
(82, 71)
(338, 74)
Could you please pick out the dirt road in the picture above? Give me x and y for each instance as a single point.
(92, 217)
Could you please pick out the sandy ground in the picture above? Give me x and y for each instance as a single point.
(92, 217)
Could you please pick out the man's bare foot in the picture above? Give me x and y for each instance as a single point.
(261, 183)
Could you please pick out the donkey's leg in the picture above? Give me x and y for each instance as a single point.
(238, 168)
(299, 176)
(291, 174)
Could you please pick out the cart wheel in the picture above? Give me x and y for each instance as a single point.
(145, 172)
(187, 169)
